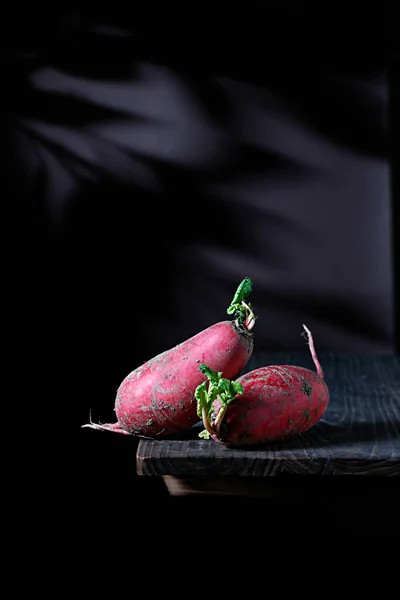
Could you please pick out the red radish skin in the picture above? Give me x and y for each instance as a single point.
(157, 398)
(278, 402)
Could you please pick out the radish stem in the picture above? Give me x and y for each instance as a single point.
(242, 311)
(206, 393)
(206, 422)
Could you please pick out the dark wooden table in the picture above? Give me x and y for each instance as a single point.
(357, 440)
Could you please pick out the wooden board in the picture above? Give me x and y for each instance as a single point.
(358, 435)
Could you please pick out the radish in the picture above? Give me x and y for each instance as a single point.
(267, 404)
(157, 398)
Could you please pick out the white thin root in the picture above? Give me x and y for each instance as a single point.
(310, 342)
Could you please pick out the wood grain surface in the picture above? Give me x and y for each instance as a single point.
(358, 435)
